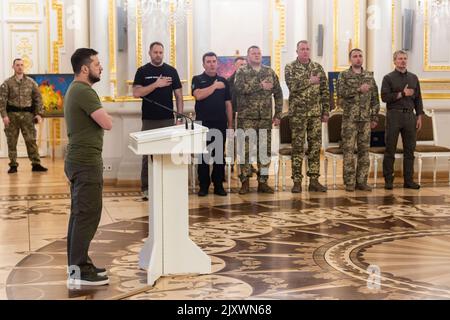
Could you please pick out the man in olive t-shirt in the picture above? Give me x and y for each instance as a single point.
(86, 121)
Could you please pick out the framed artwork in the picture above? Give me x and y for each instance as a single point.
(226, 65)
(53, 88)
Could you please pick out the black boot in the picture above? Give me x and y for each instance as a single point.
(411, 185)
(12, 170)
(38, 168)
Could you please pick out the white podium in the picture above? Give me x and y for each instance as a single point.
(168, 250)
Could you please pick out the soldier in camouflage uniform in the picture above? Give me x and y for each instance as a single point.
(20, 109)
(255, 86)
(309, 106)
(358, 92)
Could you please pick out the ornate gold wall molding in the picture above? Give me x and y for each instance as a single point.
(436, 96)
(53, 47)
(139, 56)
(281, 41)
(49, 45)
(431, 87)
(435, 84)
(23, 9)
(356, 31)
(426, 44)
(24, 43)
(173, 36)
(393, 22)
(112, 27)
(59, 43)
(190, 43)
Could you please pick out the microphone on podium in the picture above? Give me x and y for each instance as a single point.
(171, 110)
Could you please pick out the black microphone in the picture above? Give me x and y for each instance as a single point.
(171, 110)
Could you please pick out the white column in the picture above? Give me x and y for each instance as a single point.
(76, 31)
(202, 23)
(321, 12)
(296, 27)
(380, 37)
(81, 34)
(4, 71)
(99, 41)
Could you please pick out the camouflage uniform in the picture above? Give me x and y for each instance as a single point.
(21, 94)
(359, 110)
(307, 104)
(255, 112)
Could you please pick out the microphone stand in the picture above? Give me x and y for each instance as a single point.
(171, 110)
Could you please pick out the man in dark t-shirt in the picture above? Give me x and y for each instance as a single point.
(157, 81)
(213, 108)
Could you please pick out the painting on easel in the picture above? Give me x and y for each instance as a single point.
(53, 88)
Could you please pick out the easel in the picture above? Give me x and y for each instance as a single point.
(54, 139)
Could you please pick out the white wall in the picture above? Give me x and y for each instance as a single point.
(23, 35)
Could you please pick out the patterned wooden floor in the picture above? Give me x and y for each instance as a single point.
(362, 245)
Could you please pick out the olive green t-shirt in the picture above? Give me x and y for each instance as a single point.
(85, 135)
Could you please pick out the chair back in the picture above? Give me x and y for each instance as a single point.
(285, 131)
(426, 134)
(377, 135)
(332, 130)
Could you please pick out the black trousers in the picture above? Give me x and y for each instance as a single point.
(218, 172)
(151, 125)
(404, 123)
(86, 187)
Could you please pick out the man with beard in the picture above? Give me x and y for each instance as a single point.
(359, 93)
(86, 121)
(20, 108)
(157, 81)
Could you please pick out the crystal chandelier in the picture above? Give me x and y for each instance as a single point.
(174, 10)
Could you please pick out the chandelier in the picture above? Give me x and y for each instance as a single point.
(174, 10)
(438, 10)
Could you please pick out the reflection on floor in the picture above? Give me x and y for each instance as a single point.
(307, 246)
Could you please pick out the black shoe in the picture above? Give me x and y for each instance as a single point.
(203, 192)
(100, 272)
(38, 168)
(87, 279)
(145, 195)
(389, 185)
(12, 170)
(220, 192)
(411, 185)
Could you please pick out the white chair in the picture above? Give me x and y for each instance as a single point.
(376, 153)
(427, 145)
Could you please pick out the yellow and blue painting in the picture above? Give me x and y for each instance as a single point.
(53, 88)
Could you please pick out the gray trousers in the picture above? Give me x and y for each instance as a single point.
(404, 123)
(86, 186)
(151, 125)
